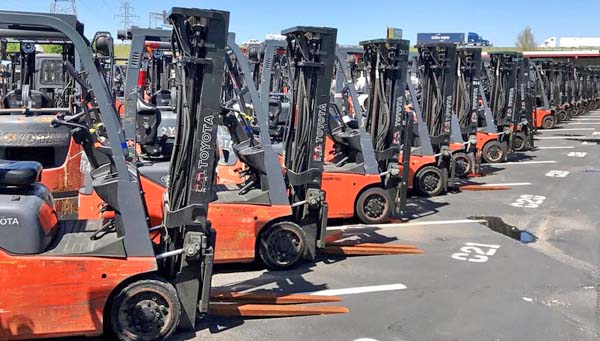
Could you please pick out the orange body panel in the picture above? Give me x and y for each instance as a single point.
(484, 138)
(229, 174)
(457, 147)
(329, 150)
(538, 116)
(66, 177)
(59, 296)
(237, 225)
(342, 189)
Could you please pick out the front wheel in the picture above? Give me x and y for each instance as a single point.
(145, 310)
(430, 181)
(494, 152)
(462, 164)
(282, 245)
(562, 115)
(373, 206)
(520, 142)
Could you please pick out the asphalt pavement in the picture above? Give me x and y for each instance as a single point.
(472, 282)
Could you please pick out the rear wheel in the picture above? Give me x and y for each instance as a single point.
(548, 122)
(373, 206)
(430, 181)
(462, 164)
(145, 310)
(494, 152)
(282, 245)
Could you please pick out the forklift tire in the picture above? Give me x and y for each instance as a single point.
(145, 310)
(462, 164)
(520, 142)
(548, 122)
(429, 181)
(282, 245)
(373, 206)
(494, 152)
(562, 115)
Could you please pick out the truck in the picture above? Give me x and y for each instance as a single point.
(553, 42)
(475, 39)
(427, 38)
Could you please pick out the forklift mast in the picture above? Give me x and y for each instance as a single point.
(200, 37)
(387, 120)
(311, 56)
(526, 91)
(466, 100)
(437, 66)
(503, 92)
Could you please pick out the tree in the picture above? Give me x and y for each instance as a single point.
(525, 40)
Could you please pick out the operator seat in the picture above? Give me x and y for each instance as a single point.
(148, 120)
(19, 173)
(25, 97)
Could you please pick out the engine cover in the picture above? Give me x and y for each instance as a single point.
(28, 220)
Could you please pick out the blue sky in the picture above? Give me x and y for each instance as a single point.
(497, 21)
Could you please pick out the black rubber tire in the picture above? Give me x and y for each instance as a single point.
(364, 206)
(562, 115)
(282, 245)
(424, 181)
(548, 122)
(154, 292)
(463, 164)
(520, 142)
(494, 152)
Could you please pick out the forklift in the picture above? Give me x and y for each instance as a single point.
(502, 87)
(366, 144)
(108, 273)
(35, 89)
(523, 119)
(435, 69)
(544, 117)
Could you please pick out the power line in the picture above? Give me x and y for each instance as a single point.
(127, 16)
(63, 6)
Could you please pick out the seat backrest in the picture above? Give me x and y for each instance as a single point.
(19, 173)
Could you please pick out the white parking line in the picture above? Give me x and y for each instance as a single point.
(557, 147)
(359, 290)
(508, 184)
(586, 119)
(415, 223)
(583, 123)
(570, 129)
(527, 162)
(560, 137)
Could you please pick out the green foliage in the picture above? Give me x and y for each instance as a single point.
(55, 49)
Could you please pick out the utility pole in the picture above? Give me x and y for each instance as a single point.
(127, 15)
(63, 6)
(157, 19)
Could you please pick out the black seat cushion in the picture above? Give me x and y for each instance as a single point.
(19, 173)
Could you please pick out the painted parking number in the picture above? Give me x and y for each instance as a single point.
(557, 174)
(475, 252)
(577, 154)
(529, 201)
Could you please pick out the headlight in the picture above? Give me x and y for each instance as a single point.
(524, 121)
(506, 130)
(473, 139)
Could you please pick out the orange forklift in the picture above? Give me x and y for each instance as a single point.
(364, 177)
(107, 273)
(33, 90)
